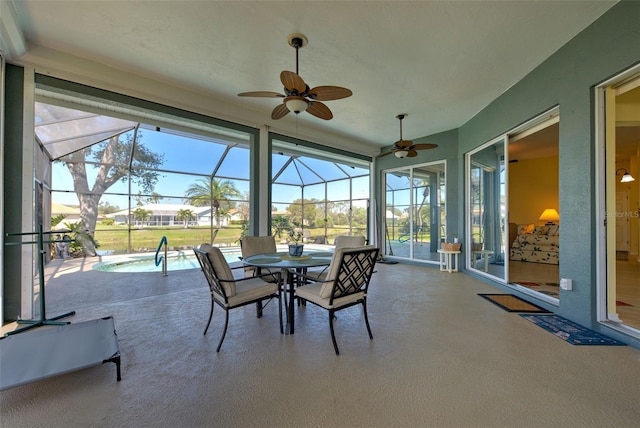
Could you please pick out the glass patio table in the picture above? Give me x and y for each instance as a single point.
(289, 264)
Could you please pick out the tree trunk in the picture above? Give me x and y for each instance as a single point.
(89, 199)
(88, 217)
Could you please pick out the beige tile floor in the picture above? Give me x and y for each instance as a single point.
(441, 357)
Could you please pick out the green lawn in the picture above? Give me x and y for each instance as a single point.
(115, 237)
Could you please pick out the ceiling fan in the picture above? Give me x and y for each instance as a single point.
(405, 148)
(298, 97)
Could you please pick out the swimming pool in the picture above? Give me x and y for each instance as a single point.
(178, 260)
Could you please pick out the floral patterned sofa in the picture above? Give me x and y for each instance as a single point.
(539, 244)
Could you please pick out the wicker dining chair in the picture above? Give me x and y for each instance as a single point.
(346, 284)
(229, 292)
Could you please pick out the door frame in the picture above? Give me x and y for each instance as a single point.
(605, 192)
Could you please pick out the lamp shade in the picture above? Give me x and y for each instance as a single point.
(296, 104)
(401, 154)
(549, 215)
(626, 177)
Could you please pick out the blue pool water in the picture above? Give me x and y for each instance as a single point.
(178, 261)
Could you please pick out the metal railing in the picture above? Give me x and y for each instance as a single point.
(162, 259)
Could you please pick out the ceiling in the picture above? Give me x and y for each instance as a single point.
(439, 62)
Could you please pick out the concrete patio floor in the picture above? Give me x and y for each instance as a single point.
(441, 357)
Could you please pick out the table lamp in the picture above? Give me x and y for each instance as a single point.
(550, 216)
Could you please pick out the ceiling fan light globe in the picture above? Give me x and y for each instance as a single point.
(401, 154)
(296, 104)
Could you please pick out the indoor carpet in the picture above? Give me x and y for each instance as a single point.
(512, 303)
(570, 331)
(528, 284)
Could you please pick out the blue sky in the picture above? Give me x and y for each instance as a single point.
(196, 156)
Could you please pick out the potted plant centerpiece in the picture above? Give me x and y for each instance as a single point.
(295, 243)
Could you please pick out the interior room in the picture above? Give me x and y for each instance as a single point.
(453, 140)
(533, 208)
(627, 245)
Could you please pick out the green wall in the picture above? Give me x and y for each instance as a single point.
(566, 79)
(13, 136)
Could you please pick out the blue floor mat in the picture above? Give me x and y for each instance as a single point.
(570, 331)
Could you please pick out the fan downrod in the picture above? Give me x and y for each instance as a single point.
(400, 117)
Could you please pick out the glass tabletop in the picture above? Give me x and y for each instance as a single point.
(284, 261)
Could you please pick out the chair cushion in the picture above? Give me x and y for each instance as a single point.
(312, 293)
(346, 241)
(223, 271)
(252, 245)
(251, 289)
(318, 275)
(332, 271)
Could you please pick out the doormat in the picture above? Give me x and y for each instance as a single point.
(571, 332)
(511, 303)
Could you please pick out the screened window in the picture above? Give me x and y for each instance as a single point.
(129, 183)
(319, 193)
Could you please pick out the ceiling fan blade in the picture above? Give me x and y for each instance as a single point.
(328, 93)
(386, 153)
(424, 146)
(293, 83)
(265, 94)
(320, 110)
(279, 112)
(403, 144)
(412, 153)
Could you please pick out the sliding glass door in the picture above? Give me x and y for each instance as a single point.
(619, 177)
(414, 211)
(512, 186)
(485, 240)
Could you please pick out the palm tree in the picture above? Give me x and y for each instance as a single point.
(142, 215)
(214, 193)
(154, 198)
(185, 216)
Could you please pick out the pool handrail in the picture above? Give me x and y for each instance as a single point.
(162, 259)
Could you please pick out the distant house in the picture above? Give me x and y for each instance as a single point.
(233, 215)
(71, 214)
(389, 215)
(165, 215)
